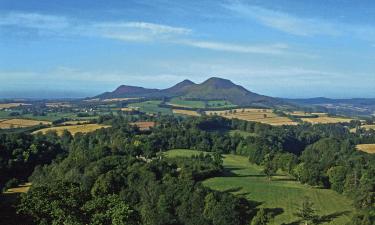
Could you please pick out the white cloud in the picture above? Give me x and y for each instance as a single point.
(34, 20)
(228, 47)
(301, 26)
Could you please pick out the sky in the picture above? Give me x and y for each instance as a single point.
(280, 48)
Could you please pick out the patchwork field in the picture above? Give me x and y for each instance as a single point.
(197, 104)
(73, 129)
(369, 148)
(283, 195)
(150, 107)
(144, 125)
(256, 115)
(21, 123)
(10, 105)
(324, 118)
(185, 112)
(75, 122)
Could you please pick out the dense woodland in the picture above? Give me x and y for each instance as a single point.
(119, 176)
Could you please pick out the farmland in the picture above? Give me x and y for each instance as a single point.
(256, 115)
(21, 123)
(282, 194)
(185, 112)
(11, 105)
(369, 148)
(143, 125)
(324, 118)
(198, 104)
(73, 129)
(151, 107)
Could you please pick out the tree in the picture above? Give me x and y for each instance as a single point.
(307, 212)
(261, 218)
(269, 167)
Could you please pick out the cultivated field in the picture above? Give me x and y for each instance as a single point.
(368, 127)
(151, 107)
(256, 115)
(144, 125)
(10, 105)
(21, 123)
(185, 112)
(282, 194)
(324, 118)
(369, 148)
(129, 109)
(58, 104)
(75, 122)
(118, 99)
(198, 104)
(73, 129)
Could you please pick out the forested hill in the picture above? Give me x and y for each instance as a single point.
(212, 89)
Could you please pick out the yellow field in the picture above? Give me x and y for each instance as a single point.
(73, 129)
(20, 123)
(324, 118)
(255, 115)
(129, 109)
(143, 125)
(75, 122)
(10, 105)
(22, 188)
(369, 148)
(185, 112)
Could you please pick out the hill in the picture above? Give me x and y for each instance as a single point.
(212, 89)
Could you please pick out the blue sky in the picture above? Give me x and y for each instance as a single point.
(283, 48)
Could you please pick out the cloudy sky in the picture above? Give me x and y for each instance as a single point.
(283, 48)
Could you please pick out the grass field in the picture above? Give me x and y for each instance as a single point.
(21, 123)
(256, 115)
(75, 122)
(185, 112)
(73, 129)
(369, 148)
(150, 107)
(281, 194)
(196, 104)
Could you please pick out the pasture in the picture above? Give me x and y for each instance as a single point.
(185, 112)
(151, 107)
(199, 104)
(255, 115)
(21, 123)
(75, 122)
(282, 195)
(73, 129)
(369, 148)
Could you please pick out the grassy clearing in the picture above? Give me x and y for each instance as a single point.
(256, 115)
(369, 148)
(281, 194)
(241, 133)
(22, 188)
(150, 107)
(21, 123)
(185, 112)
(73, 129)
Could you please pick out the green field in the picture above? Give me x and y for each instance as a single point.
(282, 194)
(196, 104)
(48, 117)
(151, 107)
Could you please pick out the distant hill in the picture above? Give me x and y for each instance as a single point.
(212, 89)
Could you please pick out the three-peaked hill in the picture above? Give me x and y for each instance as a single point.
(212, 89)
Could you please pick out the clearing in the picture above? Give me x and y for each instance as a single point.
(369, 148)
(185, 112)
(282, 195)
(143, 125)
(255, 115)
(73, 129)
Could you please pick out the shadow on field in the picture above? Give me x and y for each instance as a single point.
(330, 217)
(228, 172)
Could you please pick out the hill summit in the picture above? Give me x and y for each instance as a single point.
(214, 88)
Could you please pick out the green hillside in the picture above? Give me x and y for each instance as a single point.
(283, 195)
